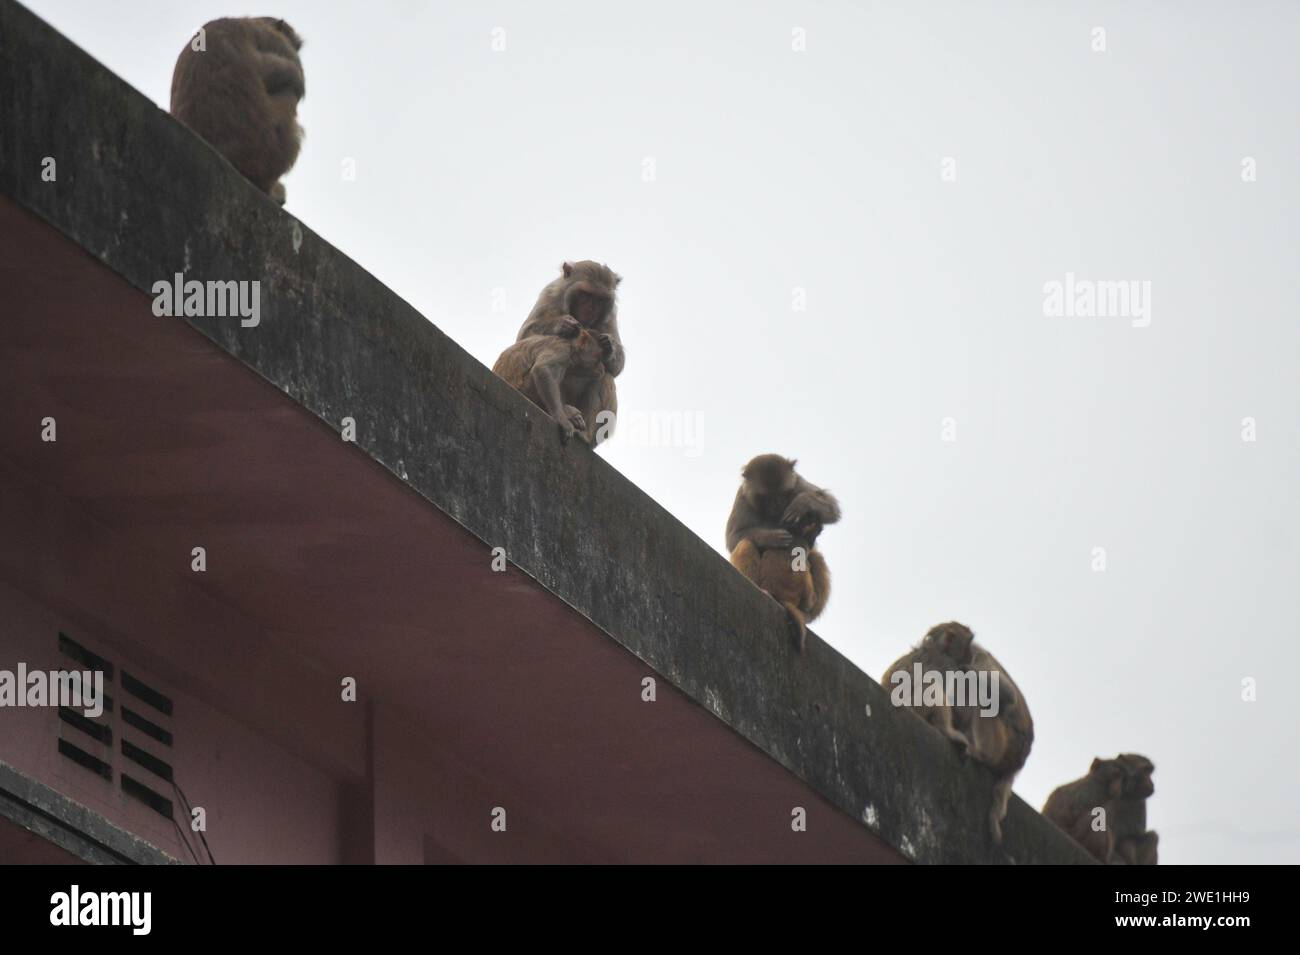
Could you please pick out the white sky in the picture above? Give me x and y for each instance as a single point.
(775, 169)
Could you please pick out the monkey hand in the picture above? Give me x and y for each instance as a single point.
(797, 514)
(570, 327)
(606, 345)
(773, 537)
(576, 420)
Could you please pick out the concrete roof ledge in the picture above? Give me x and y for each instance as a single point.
(149, 199)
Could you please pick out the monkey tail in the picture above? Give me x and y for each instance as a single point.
(797, 626)
(821, 584)
(998, 811)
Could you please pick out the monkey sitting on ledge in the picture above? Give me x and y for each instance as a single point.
(1134, 843)
(584, 297)
(1105, 811)
(237, 84)
(1000, 737)
(561, 375)
(774, 523)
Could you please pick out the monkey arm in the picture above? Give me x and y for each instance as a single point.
(769, 537)
(745, 522)
(558, 325)
(548, 370)
(601, 396)
(614, 363)
(810, 501)
(941, 718)
(741, 520)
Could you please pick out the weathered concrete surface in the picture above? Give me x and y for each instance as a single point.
(84, 835)
(149, 199)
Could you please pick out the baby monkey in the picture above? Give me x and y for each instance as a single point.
(237, 84)
(561, 375)
(795, 577)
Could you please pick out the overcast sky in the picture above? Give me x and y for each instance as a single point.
(732, 178)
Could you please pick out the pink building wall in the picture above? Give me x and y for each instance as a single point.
(264, 803)
(289, 773)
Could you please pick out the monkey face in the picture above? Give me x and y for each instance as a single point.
(589, 291)
(953, 640)
(587, 308)
(1137, 775)
(1140, 786)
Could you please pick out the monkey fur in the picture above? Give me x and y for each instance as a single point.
(772, 500)
(1120, 787)
(796, 577)
(562, 376)
(1134, 844)
(771, 533)
(1000, 742)
(241, 94)
(584, 297)
(934, 657)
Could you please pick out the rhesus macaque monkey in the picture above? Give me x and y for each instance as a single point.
(796, 577)
(1134, 844)
(1120, 787)
(1002, 741)
(934, 658)
(774, 499)
(241, 94)
(1073, 807)
(562, 376)
(774, 524)
(584, 297)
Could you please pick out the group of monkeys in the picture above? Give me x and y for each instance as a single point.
(238, 82)
(771, 533)
(565, 358)
(1104, 811)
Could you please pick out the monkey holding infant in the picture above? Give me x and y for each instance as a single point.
(568, 352)
(774, 524)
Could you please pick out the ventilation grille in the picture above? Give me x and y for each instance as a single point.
(141, 759)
